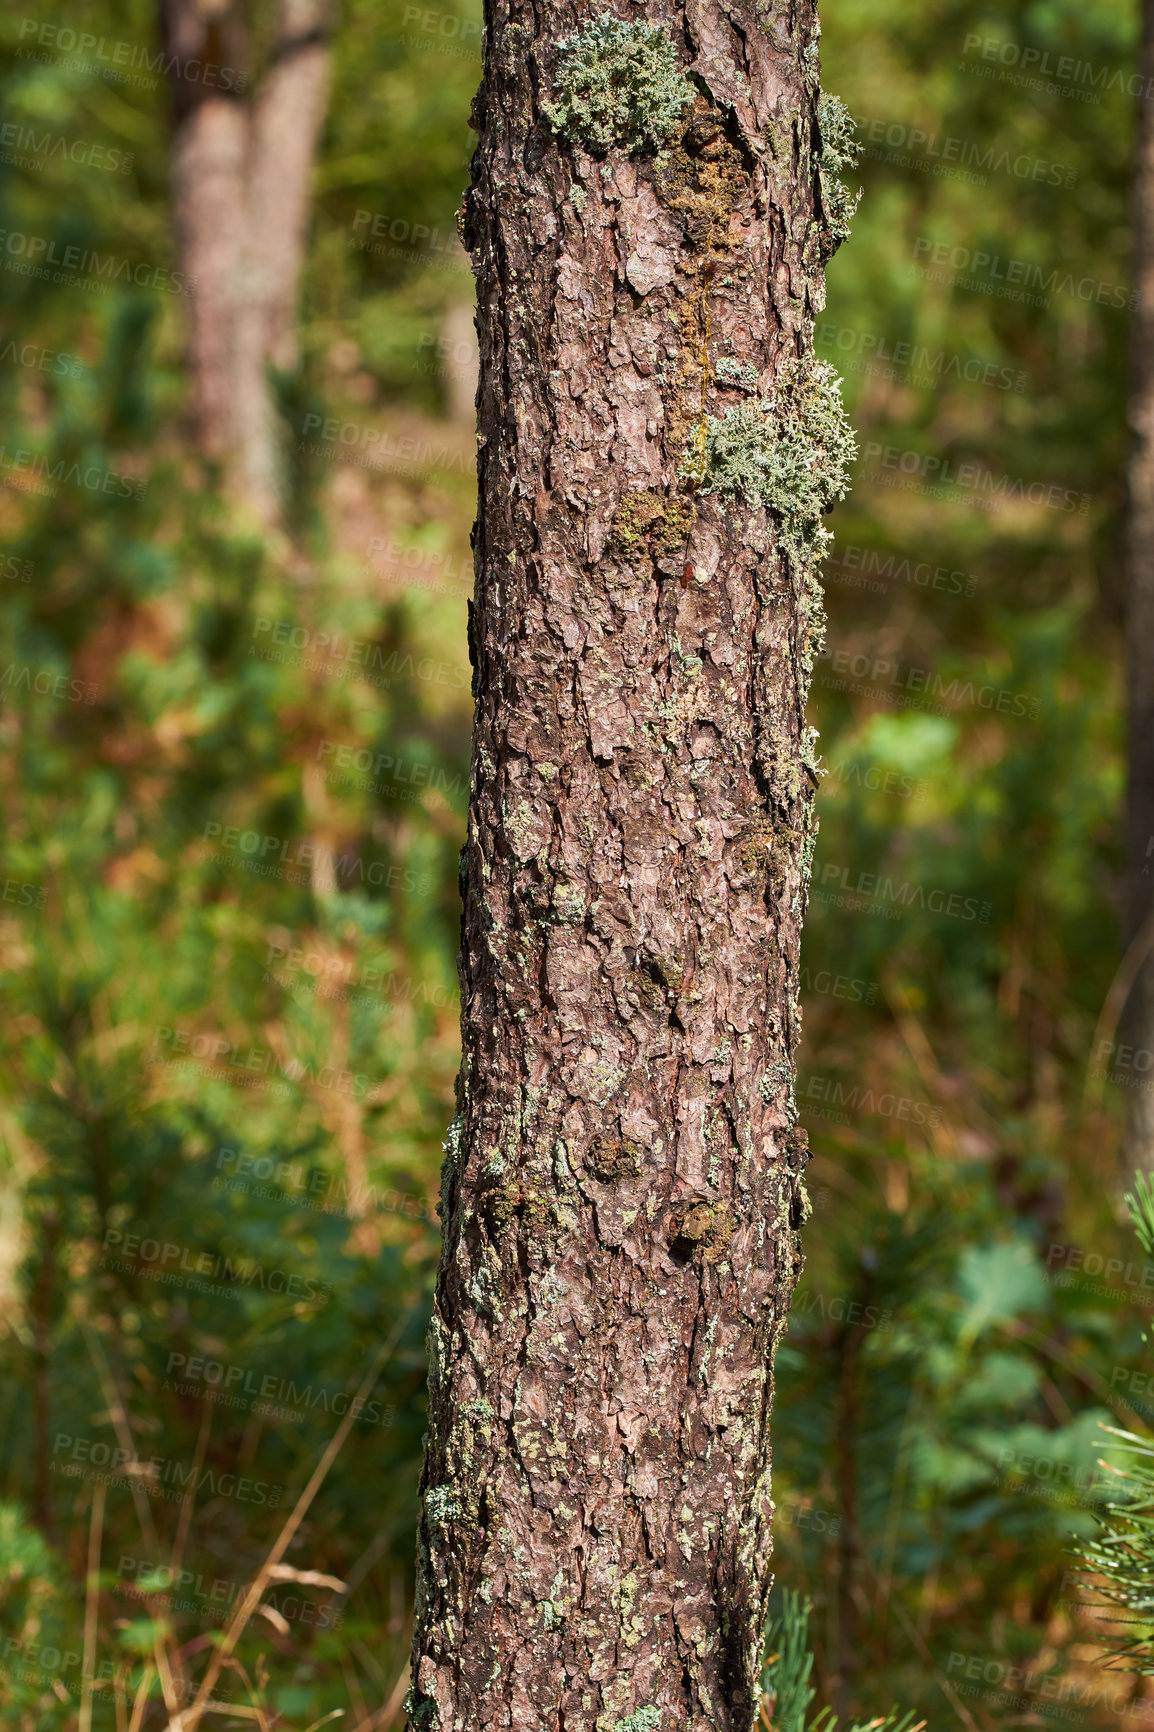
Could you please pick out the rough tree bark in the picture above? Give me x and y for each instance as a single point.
(651, 208)
(241, 174)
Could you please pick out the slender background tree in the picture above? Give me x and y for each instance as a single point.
(242, 164)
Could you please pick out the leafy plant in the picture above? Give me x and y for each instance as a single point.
(785, 1680)
(1118, 1565)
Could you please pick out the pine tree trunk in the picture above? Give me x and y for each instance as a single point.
(1138, 1026)
(622, 1190)
(241, 181)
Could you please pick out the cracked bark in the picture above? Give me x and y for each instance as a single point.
(622, 1188)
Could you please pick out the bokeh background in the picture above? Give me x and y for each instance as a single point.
(235, 768)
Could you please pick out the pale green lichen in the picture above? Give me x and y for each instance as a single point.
(646, 1719)
(839, 150)
(619, 84)
(442, 1505)
(742, 374)
(791, 453)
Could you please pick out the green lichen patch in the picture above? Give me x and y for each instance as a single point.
(742, 375)
(619, 84)
(701, 1230)
(647, 1719)
(839, 150)
(790, 453)
(612, 1159)
(648, 524)
(442, 1505)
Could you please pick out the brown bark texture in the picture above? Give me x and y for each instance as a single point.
(1139, 888)
(622, 1190)
(242, 172)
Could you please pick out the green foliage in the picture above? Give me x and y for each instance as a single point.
(791, 453)
(221, 1117)
(1118, 1563)
(619, 84)
(788, 1664)
(786, 1673)
(42, 1624)
(1140, 1203)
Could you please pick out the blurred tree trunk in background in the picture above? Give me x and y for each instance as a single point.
(241, 174)
(622, 1190)
(1138, 1025)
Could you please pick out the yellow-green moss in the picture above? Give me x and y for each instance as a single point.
(648, 524)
